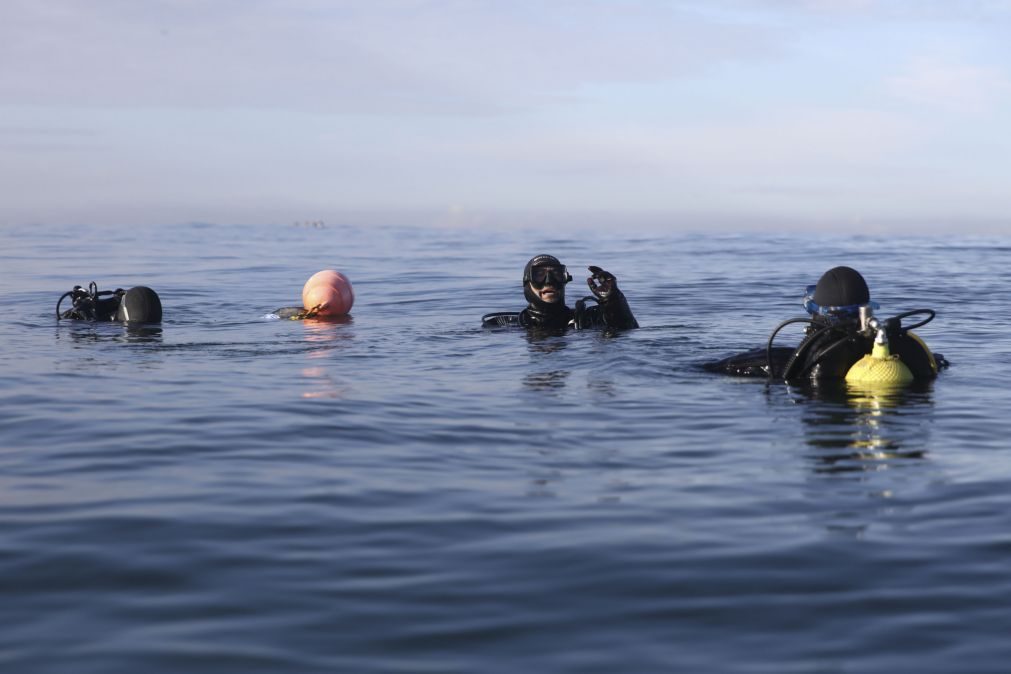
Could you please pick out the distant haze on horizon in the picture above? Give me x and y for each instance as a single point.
(832, 115)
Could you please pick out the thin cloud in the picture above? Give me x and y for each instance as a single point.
(384, 56)
(263, 109)
(929, 10)
(27, 139)
(952, 87)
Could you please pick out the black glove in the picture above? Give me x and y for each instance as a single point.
(602, 283)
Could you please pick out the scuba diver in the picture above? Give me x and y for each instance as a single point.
(841, 331)
(139, 304)
(544, 280)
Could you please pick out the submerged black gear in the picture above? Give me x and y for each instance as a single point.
(611, 310)
(139, 304)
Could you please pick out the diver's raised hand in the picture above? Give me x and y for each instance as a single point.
(602, 283)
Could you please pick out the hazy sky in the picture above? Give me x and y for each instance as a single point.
(829, 113)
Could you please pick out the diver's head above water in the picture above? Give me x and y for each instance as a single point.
(544, 280)
(839, 295)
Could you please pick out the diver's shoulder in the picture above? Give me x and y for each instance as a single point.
(753, 363)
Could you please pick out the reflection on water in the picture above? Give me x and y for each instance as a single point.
(86, 332)
(546, 381)
(141, 333)
(857, 440)
(603, 386)
(544, 342)
(856, 428)
(325, 335)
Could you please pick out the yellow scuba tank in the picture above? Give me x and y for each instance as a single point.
(879, 366)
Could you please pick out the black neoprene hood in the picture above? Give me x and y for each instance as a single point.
(840, 287)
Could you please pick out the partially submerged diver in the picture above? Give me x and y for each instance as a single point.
(544, 281)
(841, 330)
(139, 304)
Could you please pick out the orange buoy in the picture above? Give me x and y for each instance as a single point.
(331, 291)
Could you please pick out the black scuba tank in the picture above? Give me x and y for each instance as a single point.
(139, 304)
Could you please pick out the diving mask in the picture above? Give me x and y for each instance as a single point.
(844, 312)
(555, 276)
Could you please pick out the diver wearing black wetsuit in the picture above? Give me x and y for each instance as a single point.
(836, 337)
(544, 280)
(139, 304)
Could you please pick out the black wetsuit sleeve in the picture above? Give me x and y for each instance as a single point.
(501, 319)
(613, 313)
(752, 363)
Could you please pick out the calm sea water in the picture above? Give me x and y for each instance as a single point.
(405, 492)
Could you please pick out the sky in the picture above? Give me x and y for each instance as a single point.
(827, 115)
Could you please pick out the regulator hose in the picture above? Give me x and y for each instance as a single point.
(772, 337)
(84, 301)
(821, 354)
(803, 348)
(64, 296)
(930, 316)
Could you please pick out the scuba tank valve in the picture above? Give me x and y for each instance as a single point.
(879, 366)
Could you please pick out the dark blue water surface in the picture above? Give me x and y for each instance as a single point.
(404, 492)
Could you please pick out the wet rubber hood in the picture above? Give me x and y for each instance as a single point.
(840, 291)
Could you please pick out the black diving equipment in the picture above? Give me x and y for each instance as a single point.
(139, 304)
